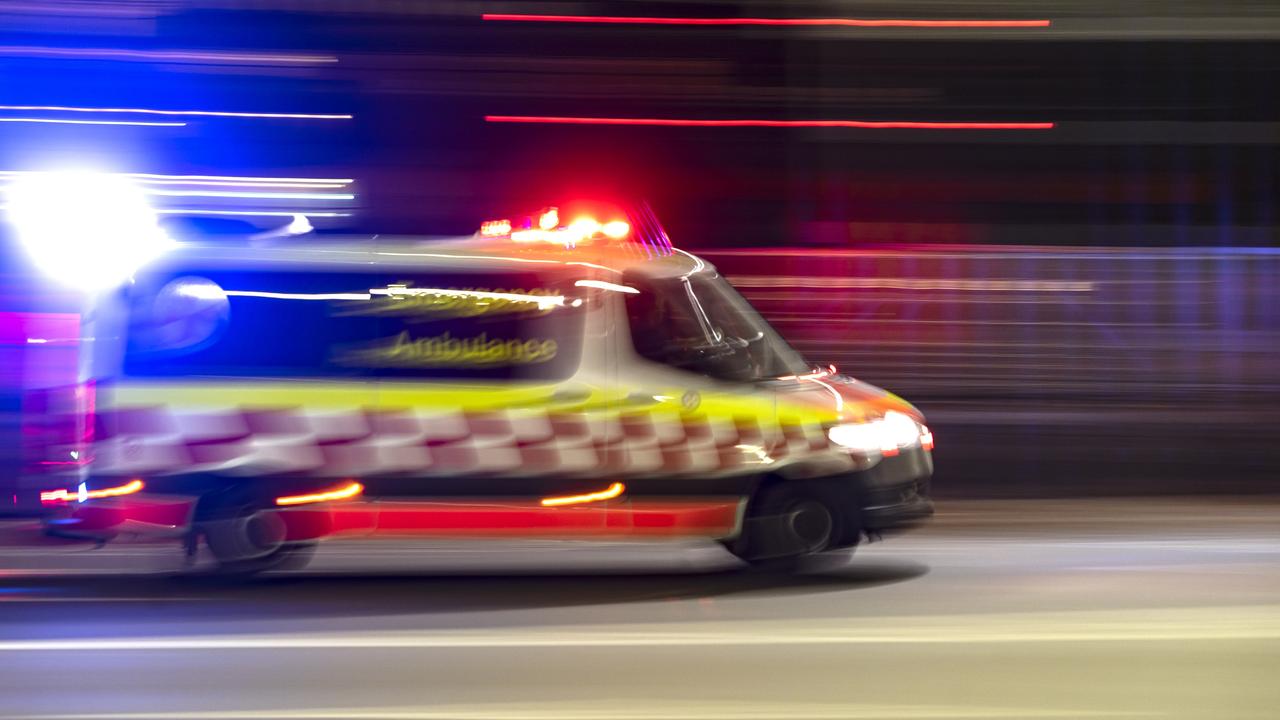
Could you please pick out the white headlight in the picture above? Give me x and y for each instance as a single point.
(885, 436)
(900, 430)
(865, 438)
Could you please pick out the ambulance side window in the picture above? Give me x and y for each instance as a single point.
(702, 325)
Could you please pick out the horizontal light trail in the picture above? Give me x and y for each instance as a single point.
(649, 710)
(250, 184)
(249, 213)
(198, 179)
(803, 281)
(58, 121)
(690, 122)
(1259, 622)
(297, 296)
(777, 22)
(153, 111)
(252, 195)
(162, 55)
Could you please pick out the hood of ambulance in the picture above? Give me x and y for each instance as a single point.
(839, 398)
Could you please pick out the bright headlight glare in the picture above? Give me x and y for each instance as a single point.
(87, 230)
(899, 429)
(884, 436)
(861, 437)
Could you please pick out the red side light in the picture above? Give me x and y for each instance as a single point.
(608, 493)
(346, 492)
(926, 439)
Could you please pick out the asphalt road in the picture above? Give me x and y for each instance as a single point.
(1031, 609)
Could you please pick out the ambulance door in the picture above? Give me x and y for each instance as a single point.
(715, 420)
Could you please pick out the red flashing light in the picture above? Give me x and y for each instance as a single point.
(549, 229)
(689, 122)
(495, 228)
(780, 22)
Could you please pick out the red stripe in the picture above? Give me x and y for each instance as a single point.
(866, 124)
(783, 22)
(713, 517)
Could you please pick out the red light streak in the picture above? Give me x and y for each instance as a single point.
(685, 122)
(608, 493)
(779, 22)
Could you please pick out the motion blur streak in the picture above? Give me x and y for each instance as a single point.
(249, 213)
(253, 195)
(608, 493)
(57, 121)
(914, 284)
(297, 296)
(343, 493)
(152, 111)
(62, 495)
(690, 122)
(201, 179)
(844, 22)
(163, 55)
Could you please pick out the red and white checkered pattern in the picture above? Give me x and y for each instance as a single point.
(164, 440)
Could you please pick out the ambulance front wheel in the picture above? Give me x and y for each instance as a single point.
(786, 521)
(293, 556)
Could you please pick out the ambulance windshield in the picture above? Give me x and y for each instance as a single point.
(702, 324)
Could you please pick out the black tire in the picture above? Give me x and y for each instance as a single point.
(787, 521)
(242, 531)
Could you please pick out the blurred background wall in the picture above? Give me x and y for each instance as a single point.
(1083, 308)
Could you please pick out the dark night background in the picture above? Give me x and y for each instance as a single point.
(1155, 192)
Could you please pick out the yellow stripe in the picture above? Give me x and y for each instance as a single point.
(336, 394)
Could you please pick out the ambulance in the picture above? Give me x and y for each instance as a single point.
(567, 374)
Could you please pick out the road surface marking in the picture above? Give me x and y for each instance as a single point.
(1153, 625)
(674, 710)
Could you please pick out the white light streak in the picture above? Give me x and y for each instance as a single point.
(153, 111)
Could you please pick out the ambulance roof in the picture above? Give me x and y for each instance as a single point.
(379, 253)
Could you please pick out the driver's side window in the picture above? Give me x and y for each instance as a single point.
(663, 328)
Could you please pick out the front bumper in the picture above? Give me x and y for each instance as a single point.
(894, 494)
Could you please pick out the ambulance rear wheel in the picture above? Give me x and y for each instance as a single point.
(245, 535)
(787, 521)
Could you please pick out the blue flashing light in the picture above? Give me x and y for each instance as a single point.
(88, 230)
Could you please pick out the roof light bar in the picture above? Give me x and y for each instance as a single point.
(548, 228)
